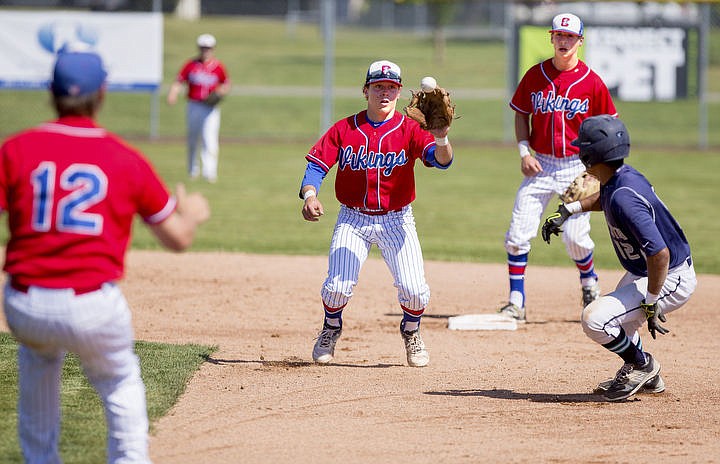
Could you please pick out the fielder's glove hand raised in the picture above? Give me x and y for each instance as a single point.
(553, 223)
(654, 316)
(432, 110)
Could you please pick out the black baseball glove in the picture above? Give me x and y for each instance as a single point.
(553, 223)
(213, 99)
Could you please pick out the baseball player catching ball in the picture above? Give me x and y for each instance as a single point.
(651, 247)
(71, 190)
(207, 83)
(375, 152)
(550, 103)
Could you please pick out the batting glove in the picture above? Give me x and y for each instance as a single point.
(553, 223)
(653, 314)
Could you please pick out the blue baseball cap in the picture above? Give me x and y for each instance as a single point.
(77, 73)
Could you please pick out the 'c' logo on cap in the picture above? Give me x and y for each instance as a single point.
(385, 69)
(565, 22)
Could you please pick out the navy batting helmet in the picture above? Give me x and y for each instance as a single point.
(602, 138)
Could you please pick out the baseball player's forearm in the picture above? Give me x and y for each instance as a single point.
(224, 88)
(175, 88)
(591, 203)
(444, 154)
(529, 166)
(314, 176)
(657, 266)
(443, 149)
(522, 127)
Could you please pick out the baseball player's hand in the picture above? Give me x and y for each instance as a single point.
(193, 206)
(441, 132)
(312, 209)
(530, 166)
(654, 316)
(553, 223)
(177, 231)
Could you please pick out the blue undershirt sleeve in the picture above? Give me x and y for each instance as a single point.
(430, 159)
(314, 176)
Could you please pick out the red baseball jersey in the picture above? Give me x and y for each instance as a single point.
(71, 190)
(202, 78)
(558, 102)
(375, 164)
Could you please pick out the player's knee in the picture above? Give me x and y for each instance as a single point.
(515, 249)
(592, 319)
(336, 293)
(415, 298)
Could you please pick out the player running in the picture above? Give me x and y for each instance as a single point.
(375, 152)
(650, 245)
(550, 103)
(71, 190)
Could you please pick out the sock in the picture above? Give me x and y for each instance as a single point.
(627, 350)
(516, 275)
(586, 266)
(411, 319)
(333, 317)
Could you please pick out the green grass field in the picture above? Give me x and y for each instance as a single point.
(166, 369)
(263, 52)
(461, 214)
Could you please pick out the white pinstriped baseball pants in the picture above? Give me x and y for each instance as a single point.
(533, 197)
(396, 237)
(97, 327)
(203, 125)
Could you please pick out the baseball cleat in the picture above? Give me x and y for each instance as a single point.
(629, 379)
(513, 311)
(417, 355)
(324, 348)
(654, 385)
(590, 294)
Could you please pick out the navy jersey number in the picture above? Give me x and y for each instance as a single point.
(623, 245)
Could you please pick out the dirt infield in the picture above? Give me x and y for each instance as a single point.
(487, 396)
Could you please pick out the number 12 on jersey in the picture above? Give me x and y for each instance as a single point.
(87, 185)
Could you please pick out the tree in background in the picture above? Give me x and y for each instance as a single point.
(441, 14)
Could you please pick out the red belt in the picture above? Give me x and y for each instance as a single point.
(15, 285)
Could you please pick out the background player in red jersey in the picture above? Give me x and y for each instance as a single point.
(207, 83)
(375, 151)
(71, 190)
(550, 103)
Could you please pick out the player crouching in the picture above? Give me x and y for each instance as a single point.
(651, 247)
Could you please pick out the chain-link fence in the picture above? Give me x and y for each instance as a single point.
(660, 59)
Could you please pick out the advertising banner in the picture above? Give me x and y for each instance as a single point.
(131, 45)
(636, 63)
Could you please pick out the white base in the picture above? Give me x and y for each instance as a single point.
(482, 322)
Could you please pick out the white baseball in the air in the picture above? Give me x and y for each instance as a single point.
(428, 84)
